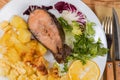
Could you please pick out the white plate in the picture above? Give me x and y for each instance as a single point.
(17, 7)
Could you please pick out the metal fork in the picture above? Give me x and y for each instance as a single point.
(108, 27)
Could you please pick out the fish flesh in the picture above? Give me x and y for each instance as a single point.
(46, 29)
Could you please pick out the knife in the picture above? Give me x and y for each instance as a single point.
(116, 42)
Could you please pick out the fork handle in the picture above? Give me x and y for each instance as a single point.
(117, 70)
(109, 71)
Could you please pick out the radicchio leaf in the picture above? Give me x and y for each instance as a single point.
(31, 8)
(60, 6)
(72, 12)
(82, 17)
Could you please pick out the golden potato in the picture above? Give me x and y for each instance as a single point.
(23, 77)
(5, 28)
(3, 49)
(4, 24)
(14, 38)
(5, 40)
(6, 36)
(41, 49)
(18, 48)
(32, 44)
(38, 47)
(50, 77)
(34, 77)
(21, 49)
(53, 74)
(18, 22)
(42, 77)
(4, 68)
(13, 74)
(12, 55)
(24, 35)
(20, 27)
(29, 70)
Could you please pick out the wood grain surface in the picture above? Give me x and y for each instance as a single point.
(100, 7)
(109, 71)
(3, 2)
(103, 7)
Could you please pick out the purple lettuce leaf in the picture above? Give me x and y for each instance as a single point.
(82, 18)
(31, 8)
(62, 6)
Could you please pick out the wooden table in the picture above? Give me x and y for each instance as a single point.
(98, 6)
(103, 7)
(3, 2)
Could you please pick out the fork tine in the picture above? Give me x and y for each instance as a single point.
(111, 27)
(104, 23)
(107, 25)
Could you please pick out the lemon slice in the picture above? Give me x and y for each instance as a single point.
(89, 71)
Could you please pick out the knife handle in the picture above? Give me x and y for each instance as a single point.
(109, 71)
(117, 70)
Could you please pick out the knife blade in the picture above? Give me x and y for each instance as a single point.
(116, 42)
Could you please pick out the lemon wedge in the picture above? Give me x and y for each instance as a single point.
(89, 71)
